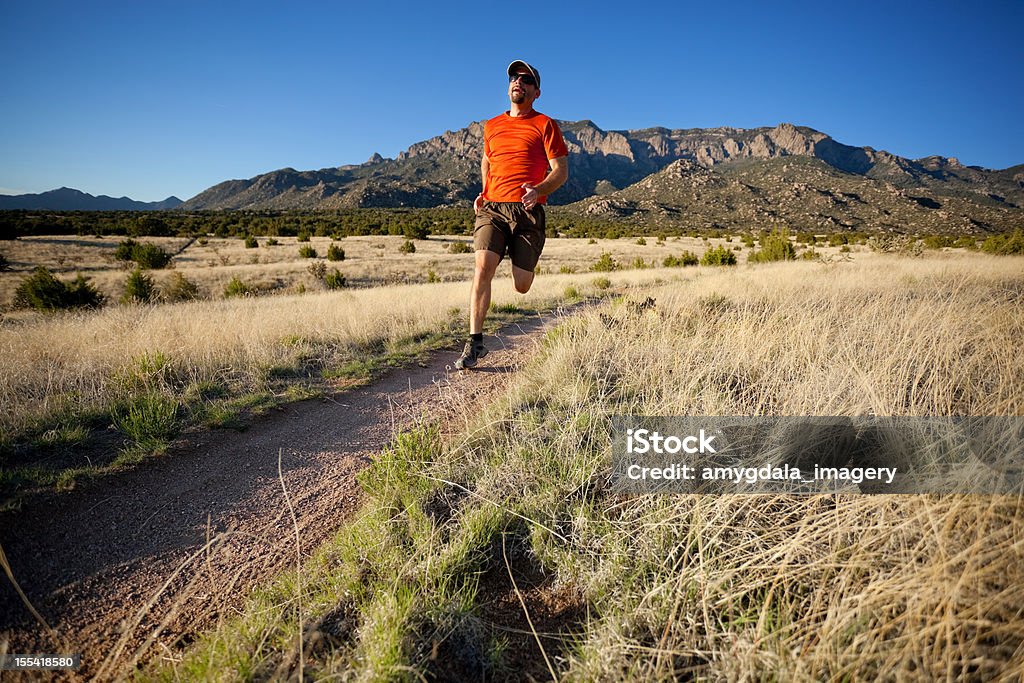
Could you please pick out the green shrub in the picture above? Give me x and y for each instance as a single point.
(845, 249)
(138, 288)
(43, 292)
(566, 270)
(307, 251)
(334, 279)
(238, 288)
(335, 253)
(251, 242)
(837, 238)
(774, 247)
(407, 247)
(966, 242)
(638, 263)
(271, 242)
(601, 283)
(719, 256)
(180, 288)
(687, 258)
(432, 276)
(591, 241)
(605, 264)
(641, 241)
(145, 255)
(1004, 245)
(460, 248)
(303, 236)
(571, 293)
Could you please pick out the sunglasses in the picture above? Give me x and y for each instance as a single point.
(527, 79)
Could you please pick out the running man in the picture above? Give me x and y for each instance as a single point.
(525, 159)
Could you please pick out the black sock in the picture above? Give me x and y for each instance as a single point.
(477, 338)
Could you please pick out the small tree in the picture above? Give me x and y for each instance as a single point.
(307, 251)
(335, 253)
(43, 292)
(180, 288)
(407, 247)
(138, 288)
(238, 288)
(719, 256)
(251, 242)
(334, 279)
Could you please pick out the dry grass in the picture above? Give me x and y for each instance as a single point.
(715, 587)
(369, 261)
(88, 358)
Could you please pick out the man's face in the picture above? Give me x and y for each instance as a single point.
(522, 89)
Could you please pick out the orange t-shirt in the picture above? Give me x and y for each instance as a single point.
(517, 149)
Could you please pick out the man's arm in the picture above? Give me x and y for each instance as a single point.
(485, 166)
(555, 178)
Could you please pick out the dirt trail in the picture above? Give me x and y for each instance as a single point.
(133, 565)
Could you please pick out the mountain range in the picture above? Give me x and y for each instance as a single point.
(68, 199)
(698, 177)
(693, 178)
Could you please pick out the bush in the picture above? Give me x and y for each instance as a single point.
(566, 270)
(180, 288)
(602, 283)
(251, 242)
(138, 288)
(687, 258)
(407, 247)
(145, 255)
(605, 264)
(774, 247)
(641, 241)
(719, 256)
(335, 253)
(334, 279)
(1004, 245)
(317, 269)
(238, 288)
(271, 242)
(460, 248)
(639, 263)
(303, 236)
(43, 292)
(571, 293)
(307, 251)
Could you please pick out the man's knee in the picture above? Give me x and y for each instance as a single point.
(523, 279)
(486, 264)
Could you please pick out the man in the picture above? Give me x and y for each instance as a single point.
(525, 159)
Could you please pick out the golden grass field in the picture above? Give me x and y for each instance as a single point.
(369, 261)
(663, 587)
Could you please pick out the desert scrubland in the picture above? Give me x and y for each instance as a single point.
(493, 548)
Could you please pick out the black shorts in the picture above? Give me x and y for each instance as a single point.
(508, 227)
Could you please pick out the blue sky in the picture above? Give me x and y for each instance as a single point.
(150, 99)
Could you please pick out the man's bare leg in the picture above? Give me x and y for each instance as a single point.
(480, 295)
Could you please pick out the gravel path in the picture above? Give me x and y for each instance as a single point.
(132, 566)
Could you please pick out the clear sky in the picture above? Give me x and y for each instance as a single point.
(150, 98)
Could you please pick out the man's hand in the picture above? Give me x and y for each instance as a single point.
(478, 203)
(530, 196)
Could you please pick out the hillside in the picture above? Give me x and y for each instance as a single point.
(69, 199)
(799, 192)
(444, 170)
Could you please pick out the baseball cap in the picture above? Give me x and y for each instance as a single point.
(520, 63)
